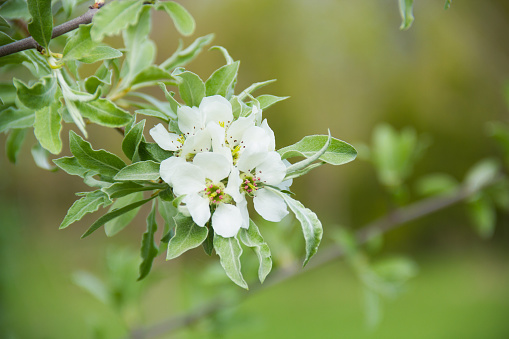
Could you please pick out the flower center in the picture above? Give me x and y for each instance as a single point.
(215, 192)
(249, 183)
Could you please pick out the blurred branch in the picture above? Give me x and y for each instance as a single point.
(389, 222)
(30, 43)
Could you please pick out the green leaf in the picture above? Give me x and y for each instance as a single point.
(121, 189)
(132, 140)
(406, 11)
(117, 224)
(92, 285)
(229, 252)
(142, 170)
(311, 226)
(150, 75)
(95, 82)
(267, 100)
(71, 166)
(47, 127)
(39, 95)
(338, 152)
(115, 17)
(191, 88)
(167, 212)
(4, 23)
(103, 162)
(245, 93)
(154, 104)
(483, 215)
(188, 235)
(40, 156)
(183, 21)
(11, 118)
(222, 80)
(183, 56)
(87, 204)
(153, 113)
(15, 9)
(149, 249)
(303, 165)
(41, 25)
(252, 238)
(114, 214)
(436, 184)
(174, 104)
(481, 174)
(81, 47)
(14, 142)
(100, 53)
(225, 53)
(7, 92)
(152, 151)
(103, 112)
(447, 4)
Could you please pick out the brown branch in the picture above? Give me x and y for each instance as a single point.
(370, 231)
(30, 43)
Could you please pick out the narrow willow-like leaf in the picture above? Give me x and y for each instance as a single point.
(47, 127)
(115, 17)
(338, 152)
(149, 249)
(252, 238)
(228, 58)
(87, 204)
(41, 26)
(152, 151)
(114, 214)
(142, 170)
(311, 226)
(183, 56)
(188, 235)
(41, 157)
(150, 75)
(183, 21)
(191, 88)
(103, 162)
(104, 112)
(221, 81)
(168, 213)
(121, 189)
(245, 93)
(116, 225)
(11, 118)
(14, 142)
(37, 96)
(174, 104)
(153, 113)
(100, 53)
(229, 252)
(309, 160)
(132, 140)
(79, 44)
(71, 166)
(267, 100)
(406, 11)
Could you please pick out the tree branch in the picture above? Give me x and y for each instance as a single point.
(29, 43)
(391, 221)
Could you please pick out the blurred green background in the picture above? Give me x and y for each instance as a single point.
(347, 67)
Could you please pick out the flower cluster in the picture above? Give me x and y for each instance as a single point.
(219, 161)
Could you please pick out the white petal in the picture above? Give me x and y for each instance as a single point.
(198, 207)
(187, 179)
(257, 113)
(165, 140)
(238, 128)
(226, 220)
(270, 133)
(256, 135)
(200, 142)
(190, 119)
(217, 134)
(252, 156)
(273, 170)
(217, 109)
(242, 205)
(215, 166)
(233, 188)
(269, 205)
(167, 168)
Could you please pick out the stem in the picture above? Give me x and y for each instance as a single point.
(391, 221)
(30, 43)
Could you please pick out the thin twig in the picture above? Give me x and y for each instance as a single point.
(30, 43)
(370, 231)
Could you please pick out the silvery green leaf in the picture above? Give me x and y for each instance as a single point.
(267, 100)
(152, 75)
(167, 212)
(142, 170)
(152, 151)
(95, 83)
(191, 88)
(75, 114)
(15, 9)
(120, 221)
(174, 104)
(338, 152)
(309, 160)
(229, 251)
(183, 56)
(11, 118)
(103, 112)
(7, 93)
(228, 58)
(90, 179)
(4, 23)
(40, 156)
(245, 93)
(153, 113)
(311, 226)
(103, 162)
(37, 96)
(71, 166)
(37, 63)
(41, 25)
(222, 80)
(406, 11)
(436, 184)
(132, 140)
(481, 174)
(14, 142)
(89, 203)
(121, 189)
(68, 6)
(252, 238)
(80, 44)
(114, 17)
(47, 127)
(154, 104)
(149, 249)
(239, 108)
(100, 53)
(183, 21)
(188, 235)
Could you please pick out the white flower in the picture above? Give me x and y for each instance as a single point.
(202, 181)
